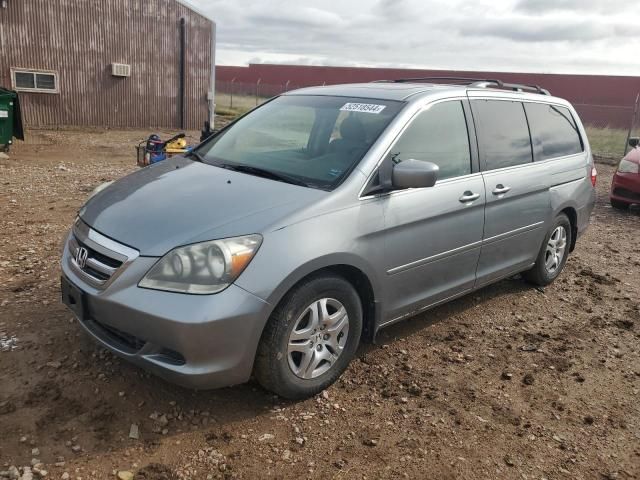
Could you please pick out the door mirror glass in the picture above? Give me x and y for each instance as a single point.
(414, 174)
(634, 142)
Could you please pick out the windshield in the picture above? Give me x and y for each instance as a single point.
(310, 140)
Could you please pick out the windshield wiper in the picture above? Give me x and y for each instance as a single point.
(196, 155)
(261, 172)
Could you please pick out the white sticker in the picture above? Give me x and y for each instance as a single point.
(4, 114)
(363, 107)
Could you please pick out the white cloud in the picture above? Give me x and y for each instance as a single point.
(582, 30)
(572, 36)
(544, 6)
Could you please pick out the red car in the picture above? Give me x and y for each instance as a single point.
(625, 187)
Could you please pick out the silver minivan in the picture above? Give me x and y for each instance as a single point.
(319, 218)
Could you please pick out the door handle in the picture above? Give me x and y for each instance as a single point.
(500, 189)
(469, 197)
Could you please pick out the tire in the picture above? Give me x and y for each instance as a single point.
(283, 371)
(618, 205)
(541, 274)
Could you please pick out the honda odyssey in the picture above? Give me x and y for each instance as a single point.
(324, 215)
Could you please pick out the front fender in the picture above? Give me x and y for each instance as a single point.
(286, 256)
(326, 261)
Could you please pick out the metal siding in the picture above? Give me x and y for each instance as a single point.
(79, 39)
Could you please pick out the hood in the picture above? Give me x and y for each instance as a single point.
(180, 201)
(633, 155)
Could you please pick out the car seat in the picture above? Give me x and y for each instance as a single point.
(353, 136)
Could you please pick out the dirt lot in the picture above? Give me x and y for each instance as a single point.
(510, 382)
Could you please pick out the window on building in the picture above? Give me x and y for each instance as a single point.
(24, 80)
(503, 133)
(553, 131)
(438, 135)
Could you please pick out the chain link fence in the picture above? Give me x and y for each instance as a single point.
(236, 98)
(608, 126)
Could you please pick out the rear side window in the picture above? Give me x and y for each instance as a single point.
(438, 135)
(553, 131)
(503, 133)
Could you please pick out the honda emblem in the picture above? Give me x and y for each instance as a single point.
(81, 256)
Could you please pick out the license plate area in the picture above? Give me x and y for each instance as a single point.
(73, 298)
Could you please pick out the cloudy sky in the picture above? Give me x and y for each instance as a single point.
(548, 36)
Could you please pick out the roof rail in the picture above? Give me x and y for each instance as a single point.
(516, 87)
(473, 82)
(461, 80)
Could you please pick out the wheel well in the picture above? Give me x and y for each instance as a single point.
(363, 287)
(573, 219)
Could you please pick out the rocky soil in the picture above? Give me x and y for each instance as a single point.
(510, 382)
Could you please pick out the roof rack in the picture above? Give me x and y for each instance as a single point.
(516, 87)
(461, 80)
(473, 82)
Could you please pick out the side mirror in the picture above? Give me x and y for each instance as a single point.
(414, 174)
(634, 142)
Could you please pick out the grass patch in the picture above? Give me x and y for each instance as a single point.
(607, 142)
(239, 105)
(228, 112)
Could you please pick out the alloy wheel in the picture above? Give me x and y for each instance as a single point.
(318, 338)
(556, 248)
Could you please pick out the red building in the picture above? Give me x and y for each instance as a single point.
(601, 100)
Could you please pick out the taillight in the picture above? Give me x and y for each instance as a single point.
(594, 176)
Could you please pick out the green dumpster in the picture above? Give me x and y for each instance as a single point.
(10, 118)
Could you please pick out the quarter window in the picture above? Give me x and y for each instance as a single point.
(503, 133)
(553, 131)
(34, 81)
(438, 135)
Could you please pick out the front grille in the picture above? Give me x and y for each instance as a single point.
(98, 266)
(623, 192)
(110, 262)
(96, 258)
(122, 340)
(132, 345)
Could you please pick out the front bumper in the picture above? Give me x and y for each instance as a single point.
(625, 187)
(198, 341)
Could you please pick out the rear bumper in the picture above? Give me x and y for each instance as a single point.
(584, 213)
(198, 341)
(625, 187)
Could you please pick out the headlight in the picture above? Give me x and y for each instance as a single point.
(628, 167)
(202, 268)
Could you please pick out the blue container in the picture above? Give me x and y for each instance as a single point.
(156, 157)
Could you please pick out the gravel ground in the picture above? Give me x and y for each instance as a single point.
(509, 382)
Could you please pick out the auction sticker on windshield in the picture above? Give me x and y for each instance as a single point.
(363, 107)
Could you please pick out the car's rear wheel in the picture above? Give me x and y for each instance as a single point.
(617, 204)
(310, 338)
(553, 253)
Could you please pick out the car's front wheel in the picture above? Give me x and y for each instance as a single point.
(310, 338)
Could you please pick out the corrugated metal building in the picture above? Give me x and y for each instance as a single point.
(114, 63)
